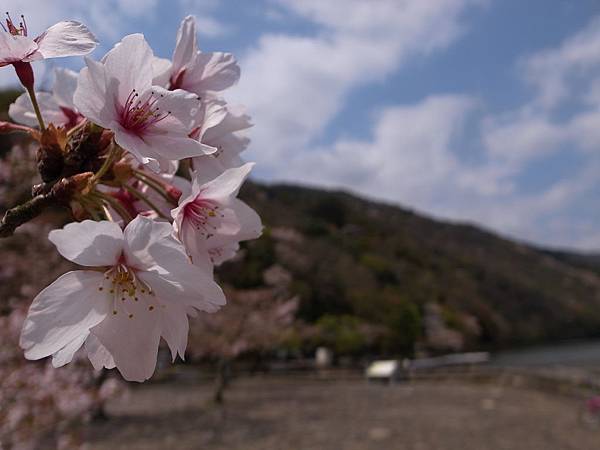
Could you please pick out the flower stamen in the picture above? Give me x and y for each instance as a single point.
(137, 115)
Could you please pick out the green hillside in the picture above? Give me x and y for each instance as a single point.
(440, 285)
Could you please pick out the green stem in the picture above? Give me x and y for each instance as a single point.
(145, 199)
(154, 184)
(108, 162)
(91, 205)
(107, 213)
(115, 204)
(36, 108)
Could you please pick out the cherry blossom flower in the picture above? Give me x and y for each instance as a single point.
(67, 38)
(150, 122)
(224, 135)
(56, 107)
(195, 71)
(138, 288)
(212, 220)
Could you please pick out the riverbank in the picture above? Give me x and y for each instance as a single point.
(273, 413)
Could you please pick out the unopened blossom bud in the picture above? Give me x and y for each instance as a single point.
(122, 171)
(105, 139)
(25, 74)
(79, 213)
(81, 180)
(50, 155)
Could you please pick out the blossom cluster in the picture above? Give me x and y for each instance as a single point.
(145, 152)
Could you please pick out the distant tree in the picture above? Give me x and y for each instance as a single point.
(255, 321)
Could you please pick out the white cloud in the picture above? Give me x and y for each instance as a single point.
(553, 71)
(299, 83)
(295, 85)
(408, 159)
(212, 28)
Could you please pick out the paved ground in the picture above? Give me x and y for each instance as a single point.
(291, 414)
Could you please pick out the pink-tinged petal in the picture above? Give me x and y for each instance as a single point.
(235, 119)
(204, 261)
(250, 223)
(221, 254)
(178, 213)
(65, 354)
(21, 111)
(132, 336)
(93, 91)
(186, 46)
(186, 285)
(227, 184)
(65, 84)
(63, 311)
(212, 113)
(89, 243)
(227, 226)
(175, 148)
(141, 235)
(174, 328)
(135, 145)
(130, 62)
(161, 70)
(182, 108)
(192, 312)
(207, 168)
(211, 72)
(15, 48)
(193, 242)
(67, 38)
(97, 353)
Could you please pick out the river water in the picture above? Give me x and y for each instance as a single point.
(576, 353)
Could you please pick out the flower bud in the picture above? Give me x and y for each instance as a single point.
(122, 171)
(25, 74)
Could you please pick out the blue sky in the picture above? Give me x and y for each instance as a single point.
(485, 111)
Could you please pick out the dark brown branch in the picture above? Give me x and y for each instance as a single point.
(59, 194)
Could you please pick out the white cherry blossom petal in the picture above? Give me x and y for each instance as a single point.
(132, 336)
(21, 111)
(227, 184)
(15, 48)
(186, 46)
(212, 72)
(188, 286)
(63, 311)
(175, 328)
(68, 38)
(141, 235)
(130, 61)
(250, 224)
(98, 355)
(93, 88)
(160, 70)
(138, 147)
(89, 243)
(65, 84)
(65, 354)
